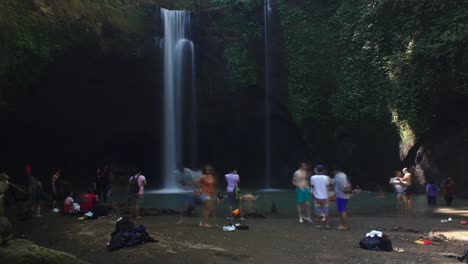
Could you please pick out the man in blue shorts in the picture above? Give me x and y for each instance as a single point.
(342, 191)
(302, 192)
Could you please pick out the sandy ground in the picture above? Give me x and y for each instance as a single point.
(270, 240)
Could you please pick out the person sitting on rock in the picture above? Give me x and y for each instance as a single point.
(88, 200)
(68, 203)
(4, 186)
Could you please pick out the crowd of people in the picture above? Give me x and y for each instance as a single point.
(61, 200)
(323, 188)
(320, 185)
(403, 185)
(202, 186)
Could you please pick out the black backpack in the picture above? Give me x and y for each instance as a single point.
(376, 243)
(133, 187)
(123, 225)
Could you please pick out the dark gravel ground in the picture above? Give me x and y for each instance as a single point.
(270, 240)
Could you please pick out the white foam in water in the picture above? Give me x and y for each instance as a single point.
(168, 190)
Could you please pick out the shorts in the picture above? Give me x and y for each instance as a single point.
(321, 206)
(407, 191)
(232, 199)
(205, 197)
(399, 195)
(302, 195)
(341, 204)
(193, 200)
(136, 199)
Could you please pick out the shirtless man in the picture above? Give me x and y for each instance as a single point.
(407, 182)
(4, 186)
(302, 192)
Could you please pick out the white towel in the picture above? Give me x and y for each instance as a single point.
(374, 233)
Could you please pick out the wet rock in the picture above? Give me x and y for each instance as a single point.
(24, 211)
(21, 251)
(6, 230)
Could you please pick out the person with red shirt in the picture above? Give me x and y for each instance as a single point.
(87, 201)
(449, 191)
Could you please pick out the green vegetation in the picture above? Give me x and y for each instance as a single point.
(240, 71)
(239, 30)
(350, 63)
(222, 3)
(35, 32)
(360, 60)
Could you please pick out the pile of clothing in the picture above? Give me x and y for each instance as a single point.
(127, 235)
(376, 240)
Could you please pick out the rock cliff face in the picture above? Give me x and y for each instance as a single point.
(372, 86)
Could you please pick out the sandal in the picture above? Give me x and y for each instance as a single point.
(342, 227)
(399, 250)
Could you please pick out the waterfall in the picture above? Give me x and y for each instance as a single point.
(267, 49)
(175, 48)
(194, 115)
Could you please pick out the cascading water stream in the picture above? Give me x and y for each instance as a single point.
(266, 15)
(194, 117)
(176, 40)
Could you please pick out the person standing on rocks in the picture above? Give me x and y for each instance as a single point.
(56, 190)
(99, 185)
(4, 186)
(108, 180)
(207, 185)
(343, 190)
(186, 179)
(398, 187)
(35, 192)
(232, 179)
(407, 181)
(431, 191)
(320, 185)
(449, 191)
(302, 192)
(136, 184)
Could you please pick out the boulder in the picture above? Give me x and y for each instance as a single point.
(20, 251)
(6, 230)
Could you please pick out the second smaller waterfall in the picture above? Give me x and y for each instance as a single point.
(266, 16)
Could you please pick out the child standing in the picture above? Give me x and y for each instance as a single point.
(431, 191)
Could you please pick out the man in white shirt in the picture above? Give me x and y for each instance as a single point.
(320, 184)
(342, 191)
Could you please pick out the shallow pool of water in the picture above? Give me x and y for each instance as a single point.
(366, 203)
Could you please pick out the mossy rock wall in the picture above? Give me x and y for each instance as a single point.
(354, 82)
